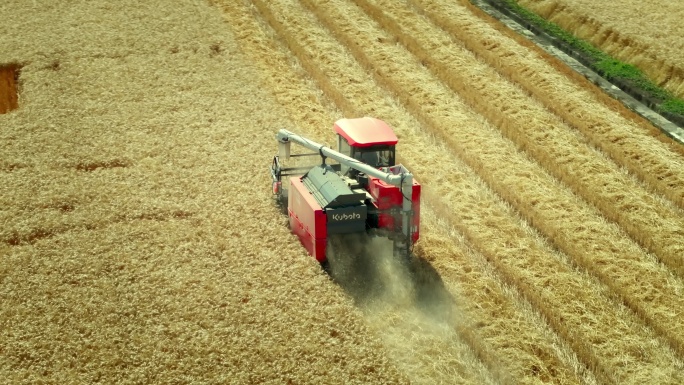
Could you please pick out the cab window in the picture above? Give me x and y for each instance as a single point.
(376, 156)
(343, 146)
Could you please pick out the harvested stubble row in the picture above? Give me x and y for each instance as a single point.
(364, 39)
(296, 23)
(652, 221)
(653, 43)
(512, 345)
(576, 103)
(304, 105)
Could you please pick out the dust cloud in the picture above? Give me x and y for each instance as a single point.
(406, 303)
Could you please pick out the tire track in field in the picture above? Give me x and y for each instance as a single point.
(502, 336)
(340, 18)
(627, 143)
(654, 223)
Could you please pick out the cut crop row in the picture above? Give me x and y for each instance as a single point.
(359, 97)
(625, 141)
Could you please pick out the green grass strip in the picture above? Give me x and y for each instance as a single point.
(612, 69)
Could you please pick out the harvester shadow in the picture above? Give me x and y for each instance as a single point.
(366, 269)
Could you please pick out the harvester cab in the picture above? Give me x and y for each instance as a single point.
(368, 140)
(363, 192)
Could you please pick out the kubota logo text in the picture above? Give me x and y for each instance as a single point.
(346, 217)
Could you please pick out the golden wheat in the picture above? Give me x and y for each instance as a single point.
(139, 242)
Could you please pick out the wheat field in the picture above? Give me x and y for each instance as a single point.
(140, 243)
(653, 43)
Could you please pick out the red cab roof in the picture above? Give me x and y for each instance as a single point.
(364, 132)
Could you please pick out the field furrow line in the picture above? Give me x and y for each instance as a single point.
(655, 223)
(623, 140)
(502, 239)
(575, 227)
(506, 339)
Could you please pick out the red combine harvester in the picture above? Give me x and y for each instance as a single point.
(365, 192)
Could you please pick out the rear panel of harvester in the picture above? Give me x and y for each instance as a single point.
(307, 219)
